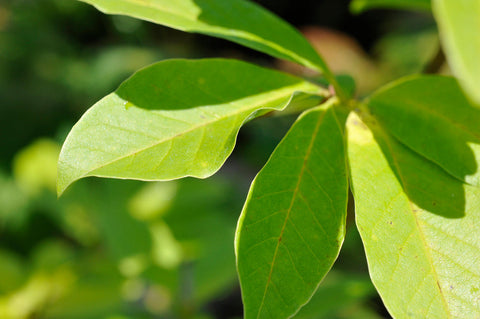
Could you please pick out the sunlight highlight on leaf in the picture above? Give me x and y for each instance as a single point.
(182, 120)
(240, 21)
(420, 227)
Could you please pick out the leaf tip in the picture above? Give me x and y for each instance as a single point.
(64, 177)
(61, 183)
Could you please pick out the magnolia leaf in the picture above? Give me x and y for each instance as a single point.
(459, 25)
(358, 6)
(419, 225)
(431, 115)
(293, 223)
(174, 119)
(240, 21)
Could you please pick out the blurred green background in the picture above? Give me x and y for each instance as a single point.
(125, 249)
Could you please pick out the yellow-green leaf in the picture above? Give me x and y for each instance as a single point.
(419, 225)
(240, 21)
(174, 119)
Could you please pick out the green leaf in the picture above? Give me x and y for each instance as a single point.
(174, 119)
(420, 227)
(459, 25)
(358, 6)
(240, 21)
(431, 115)
(293, 222)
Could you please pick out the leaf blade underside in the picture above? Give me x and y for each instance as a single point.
(155, 127)
(240, 21)
(293, 222)
(419, 227)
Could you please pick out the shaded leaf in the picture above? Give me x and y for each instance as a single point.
(420, 227)
(210, 258)
(174, 119)
(240, 21)
(459, 25)
(431, 115)
(358, 6)
(293, 222)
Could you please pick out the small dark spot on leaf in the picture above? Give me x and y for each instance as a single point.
(390, 223)
(451, 287)
(280, 239)
(434, 203)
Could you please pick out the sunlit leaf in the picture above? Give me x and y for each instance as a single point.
(239, 21)
(431, 115)
(459, 25)
(293, 222)
(358, 6)
(174, 119)
(419, 225)
(35, 166)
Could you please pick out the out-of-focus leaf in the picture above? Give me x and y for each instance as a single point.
(239, 21)
(459, 25)
(339, 296)
(36, 293)
(105, 69)
(406, 51)
(35, 167)
(431, 115)
(151, 129)
(50, 255)
(167, 252)
(419, 225)
(116, 224)
(210, 260)
(345, 55)
(12, 271)
(293, 222)
(358, 6)
(152, 200)
(13, 204)
(102, 296)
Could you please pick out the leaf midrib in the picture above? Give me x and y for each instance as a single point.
(419, 227)
(147, 5)
(294, 196)
(213, 29)
(206, 123)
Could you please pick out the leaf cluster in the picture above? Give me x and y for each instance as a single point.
(409, 153)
